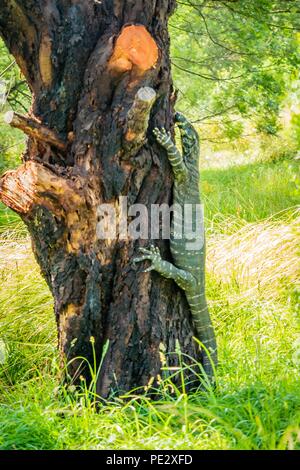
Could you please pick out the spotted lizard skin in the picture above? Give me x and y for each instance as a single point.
(188, 270)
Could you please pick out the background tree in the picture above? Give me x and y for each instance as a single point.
(86, 64)
(240, 57)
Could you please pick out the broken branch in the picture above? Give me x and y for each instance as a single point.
(32, 127)
(31, 184)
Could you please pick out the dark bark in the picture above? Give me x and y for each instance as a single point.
(83, 92)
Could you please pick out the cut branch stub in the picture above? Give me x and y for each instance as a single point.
(32, 127)
(136, 49)
(138, 120)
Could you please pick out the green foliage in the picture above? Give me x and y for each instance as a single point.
(14, 88)
(294, 103)
(233, 63)
(296, 124)
(14, 94)
(235, 59)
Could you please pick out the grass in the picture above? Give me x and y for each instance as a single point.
(249, 193)
(254, 295)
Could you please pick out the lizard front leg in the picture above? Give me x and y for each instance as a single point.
(183, 278)
(175, 158)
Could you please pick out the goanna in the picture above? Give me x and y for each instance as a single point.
(188, 270)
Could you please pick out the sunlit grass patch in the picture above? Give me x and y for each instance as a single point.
(249, 193)
(259, 259)
(255, 416)
(26, 310)
(254, 290)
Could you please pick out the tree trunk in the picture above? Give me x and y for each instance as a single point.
(92, 67)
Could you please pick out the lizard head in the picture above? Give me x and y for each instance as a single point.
(189, 138)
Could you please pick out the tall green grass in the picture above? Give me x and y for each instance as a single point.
(254, 295)
(249, 193)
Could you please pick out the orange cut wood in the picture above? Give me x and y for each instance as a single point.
(135, 47)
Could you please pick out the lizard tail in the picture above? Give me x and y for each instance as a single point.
(206, 335)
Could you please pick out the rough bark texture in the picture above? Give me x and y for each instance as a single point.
(85, 71)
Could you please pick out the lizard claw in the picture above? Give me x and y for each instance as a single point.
(147, 270)
(162, 136)
(149, 254)
(144, 250)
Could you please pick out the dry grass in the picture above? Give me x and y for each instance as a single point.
(259, 259)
